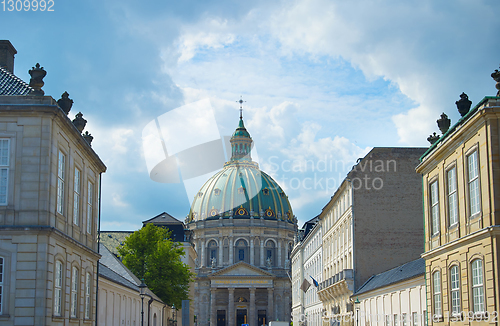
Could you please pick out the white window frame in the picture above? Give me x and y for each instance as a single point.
(473, 183)
(74, 292)
(2, 276)
(434, 201)
(414, 317)
(61, 175)
(58, 288)
(455, 290)
(76, 196)
(87, 296)
(4, 170)
(451, 177)
(477, 286)
(395, 319)
(387, 320)
(424, 317)
(436, 294)
(90, 206)
(403, 319)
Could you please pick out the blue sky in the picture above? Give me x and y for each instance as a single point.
(323, 80)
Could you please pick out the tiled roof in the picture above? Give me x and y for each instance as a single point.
(113, 239)
(108, 273)
(10, 84)
(404, 272)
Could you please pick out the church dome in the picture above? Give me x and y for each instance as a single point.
(241, 190)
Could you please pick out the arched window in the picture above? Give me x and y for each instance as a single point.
(455, 290)
(74, 291)
(477, 285)
(436, 293)
(58, 283)
(241, 251)
(87, 296)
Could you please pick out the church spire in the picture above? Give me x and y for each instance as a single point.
(241, 142)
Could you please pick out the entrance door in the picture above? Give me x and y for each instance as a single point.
(221, 318)
(241, 317)
(262, 318)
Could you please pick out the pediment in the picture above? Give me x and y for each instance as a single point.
(242, 269)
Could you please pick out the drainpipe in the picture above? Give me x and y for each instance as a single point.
(150, 301)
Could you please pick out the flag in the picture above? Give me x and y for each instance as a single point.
(305, 285)
(316, 284)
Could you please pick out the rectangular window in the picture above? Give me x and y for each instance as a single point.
(477, 285)
(76, 198)
(87, 297)
(387, 320)
(437, 294)
(455, 290)
(424, 317)
(241, 254)
(61, 165)
(4, 170)
(435, 207)
(403, 320)
(395, 320)
(1, 284)
(414, 317)
(74, 292)
(58, 288)
(90, 206)
(452, 197)
(473, 183)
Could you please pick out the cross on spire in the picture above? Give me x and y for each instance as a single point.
(241, 104)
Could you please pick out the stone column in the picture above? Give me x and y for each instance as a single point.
(230, 308)
(202, 253)
(252, 317)
(261, 253)
(231, 249)
(279, 253)
(213, 308)
(251, 252)
(270, 302)
(221, 246)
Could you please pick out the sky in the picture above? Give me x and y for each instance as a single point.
(324, 82)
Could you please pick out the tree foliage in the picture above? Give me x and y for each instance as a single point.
(151, 255)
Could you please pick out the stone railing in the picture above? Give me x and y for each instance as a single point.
(346, 274)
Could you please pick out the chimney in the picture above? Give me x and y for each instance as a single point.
(7, 52)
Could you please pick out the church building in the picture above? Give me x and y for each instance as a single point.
(242, 227)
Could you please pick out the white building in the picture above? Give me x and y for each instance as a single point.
(394, 298)
(307, 264)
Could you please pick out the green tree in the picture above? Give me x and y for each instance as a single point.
(151, 255)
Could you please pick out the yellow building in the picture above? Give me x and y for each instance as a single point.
(461, 196)
(49, 205)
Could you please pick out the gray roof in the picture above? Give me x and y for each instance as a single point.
(404, 272)
(163, 218)
(10, 84)
(108, 273)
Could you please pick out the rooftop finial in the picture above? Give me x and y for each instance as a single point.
(241, 108)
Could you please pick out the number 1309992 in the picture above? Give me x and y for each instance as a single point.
(27, 5)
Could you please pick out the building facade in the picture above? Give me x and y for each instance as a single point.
(394, 297)
(461, 196)
(49, 205)
(307, 263)
(242, 228)
(372, 223)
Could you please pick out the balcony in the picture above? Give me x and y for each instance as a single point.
(346, 274)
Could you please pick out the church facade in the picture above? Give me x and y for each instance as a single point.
(242, 227)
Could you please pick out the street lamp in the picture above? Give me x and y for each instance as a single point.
(142, 293)
(357, 305)
(174, 317)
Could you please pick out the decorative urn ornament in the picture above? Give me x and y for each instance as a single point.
(433, 138)
(65, 103)
(463, 104)
(79, 122)
(36, 81)
(443, 123)
(88, 137)
(496, 76)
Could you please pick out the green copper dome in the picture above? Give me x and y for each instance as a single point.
(241, 190)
